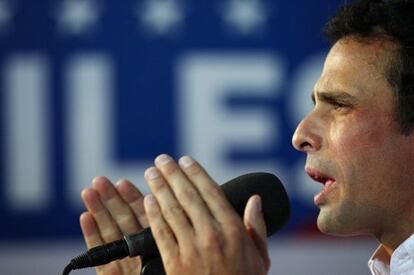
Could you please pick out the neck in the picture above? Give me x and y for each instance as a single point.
(398, 224)
(392, 240)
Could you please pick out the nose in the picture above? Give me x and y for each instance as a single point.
(306, 137)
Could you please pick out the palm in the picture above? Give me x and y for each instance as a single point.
(127, 266)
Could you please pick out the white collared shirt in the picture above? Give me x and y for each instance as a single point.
(401, 261)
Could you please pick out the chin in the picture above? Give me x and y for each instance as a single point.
(336, 225)
(329, 224)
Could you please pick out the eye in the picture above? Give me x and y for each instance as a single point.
(339, 105)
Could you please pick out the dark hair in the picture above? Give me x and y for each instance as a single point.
(389, 20)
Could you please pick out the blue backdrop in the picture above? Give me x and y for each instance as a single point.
(93, 87)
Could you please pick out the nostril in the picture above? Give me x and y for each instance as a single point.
(305, 146)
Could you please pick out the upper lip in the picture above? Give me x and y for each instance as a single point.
(318, 175)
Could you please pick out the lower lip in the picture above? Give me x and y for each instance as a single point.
(320, 198)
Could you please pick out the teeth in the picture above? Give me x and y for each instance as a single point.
(329, 183)
(320, 178)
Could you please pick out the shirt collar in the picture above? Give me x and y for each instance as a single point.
(379, 262)
(400, 262)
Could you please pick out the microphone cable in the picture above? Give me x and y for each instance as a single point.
(99, 255)
(67, 269)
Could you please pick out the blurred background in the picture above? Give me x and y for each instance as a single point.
(101, 87)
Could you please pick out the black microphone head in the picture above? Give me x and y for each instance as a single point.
(275, 202)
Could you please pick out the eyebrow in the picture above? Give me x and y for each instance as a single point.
(334, 96)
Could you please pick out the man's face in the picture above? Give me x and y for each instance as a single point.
(353, 142)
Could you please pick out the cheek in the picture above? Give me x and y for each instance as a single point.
(359, 133)
(356, 144)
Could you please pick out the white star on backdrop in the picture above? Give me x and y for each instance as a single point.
(245, 16)
(161, 16)
(76, 17)
(5, 15)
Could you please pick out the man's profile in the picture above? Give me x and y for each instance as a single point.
(359, 142)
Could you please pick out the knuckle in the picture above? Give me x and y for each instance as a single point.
(109, 236)
(170, 169)
(158, 184)
(214, 191)
(173, 264)
(188, 194)
(172, 212)
(213, 242)
(194, 169)
(126, 221)
(123, 218)
(164, 232)
(234, 233)
(190, 251)
(187, 260)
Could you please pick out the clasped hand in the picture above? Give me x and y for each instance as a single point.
(196, 229)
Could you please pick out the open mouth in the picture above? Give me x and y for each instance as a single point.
(318, 176)
(328, 182)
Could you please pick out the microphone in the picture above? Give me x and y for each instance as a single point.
(275, 207)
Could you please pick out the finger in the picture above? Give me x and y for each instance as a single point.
(209, 191)
(163, 235)
(256, 226)
(131, 195)
(90, 230)
(117, 207)
(108, 229)
(184, 190)
(92, 238)
(171, 210)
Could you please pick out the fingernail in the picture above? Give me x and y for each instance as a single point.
(185, 161)
(152, 173)
(150, 199)
(163, 159)
(97, 179)
(118, 182)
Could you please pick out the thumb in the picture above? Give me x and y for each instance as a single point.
(256, 227)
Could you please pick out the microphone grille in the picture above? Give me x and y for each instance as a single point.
(275, 202)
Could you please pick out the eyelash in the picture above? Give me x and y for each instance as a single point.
(336, 104)
(339, 105)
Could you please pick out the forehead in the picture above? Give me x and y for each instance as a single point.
(357, 67)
